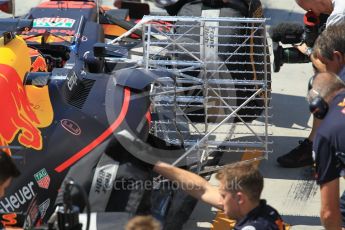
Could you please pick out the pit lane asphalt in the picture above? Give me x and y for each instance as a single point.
(290, 191)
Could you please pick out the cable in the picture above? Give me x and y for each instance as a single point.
(87, 203)
(68, 199)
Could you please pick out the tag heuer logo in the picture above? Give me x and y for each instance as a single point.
(42, 178)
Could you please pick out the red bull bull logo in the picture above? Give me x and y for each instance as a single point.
(17, 117)
(38, 63)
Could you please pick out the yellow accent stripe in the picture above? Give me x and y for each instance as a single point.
(221, 222)
(16, 55)
(113, 30)
(41, 105)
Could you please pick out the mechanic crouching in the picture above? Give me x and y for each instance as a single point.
(238, 195)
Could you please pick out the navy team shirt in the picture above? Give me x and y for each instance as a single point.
(329, 143)
(263, 217)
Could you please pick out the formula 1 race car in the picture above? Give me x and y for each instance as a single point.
(61, 104)
(71, 111)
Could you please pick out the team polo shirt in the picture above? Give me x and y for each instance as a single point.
(329, 142)
(263, 217)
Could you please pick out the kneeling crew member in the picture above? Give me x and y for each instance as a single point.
(239, 193)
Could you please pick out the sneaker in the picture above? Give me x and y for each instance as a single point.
(298, 157)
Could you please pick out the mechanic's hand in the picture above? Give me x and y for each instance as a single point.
(318, 66)
(303, 48)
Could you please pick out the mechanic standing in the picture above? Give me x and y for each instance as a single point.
(302, 154)
(330, 50)
(327, 100)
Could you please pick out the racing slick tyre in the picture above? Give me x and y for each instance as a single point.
(182, 205)
(246, 61)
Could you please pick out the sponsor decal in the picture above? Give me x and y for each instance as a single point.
(54, 22)
(84, 38)
(109, 131)
(32, 214)
(20, 197)
(43, 208)
(29, 33)
(71, 126)
(210, 36)
(9, 219)
(103, 181)
(49, 39)
(72, 81)
(67, 5)
(342, 104)
(42, 178)
(19, 121)
(12, 220)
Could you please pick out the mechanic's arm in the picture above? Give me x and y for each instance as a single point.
(191, 183)
(304, 49)
(330, 210)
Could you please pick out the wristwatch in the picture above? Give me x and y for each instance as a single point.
(309, 51)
